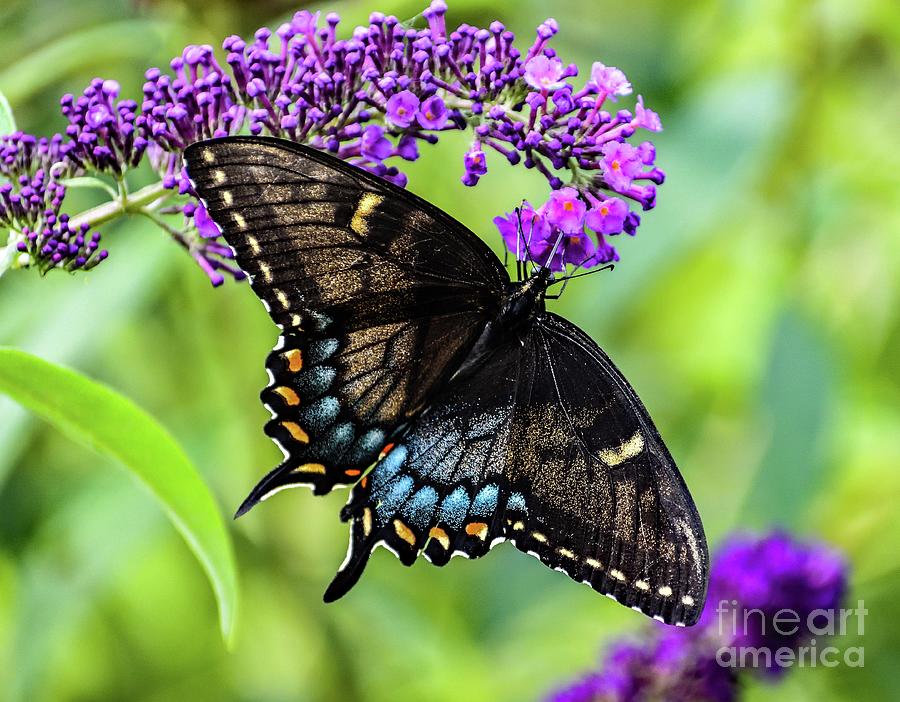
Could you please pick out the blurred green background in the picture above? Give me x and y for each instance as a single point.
(756, 313)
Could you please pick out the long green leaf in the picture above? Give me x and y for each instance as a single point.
(98, 417)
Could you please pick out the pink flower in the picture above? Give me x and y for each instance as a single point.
(646, 118)
(566, 210)
(608, 217)
(544, 73)
(621, 164)
(610, 80)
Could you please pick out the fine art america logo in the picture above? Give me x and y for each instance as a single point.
(788, 638)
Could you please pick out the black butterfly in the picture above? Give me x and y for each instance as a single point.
(405, 344)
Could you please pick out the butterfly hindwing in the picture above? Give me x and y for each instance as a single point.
(542, 443)
(379, 296)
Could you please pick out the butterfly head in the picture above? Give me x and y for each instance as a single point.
(525, 299)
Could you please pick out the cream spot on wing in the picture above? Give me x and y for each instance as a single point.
(254, 244)
(538, 536)
(208, 156)
(665, 591)
(227, 197)
(240, 221)
(688, 600)
(620, 454)
(266, 271)
(642, 585)
(282, 299)
(565, 552)
(593, 562)
(367, 204)
(617, 574)
(218, 177)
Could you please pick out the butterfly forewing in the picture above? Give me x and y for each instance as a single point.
(378, 294)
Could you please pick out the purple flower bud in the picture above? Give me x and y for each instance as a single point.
(432, 113)
(373, 144)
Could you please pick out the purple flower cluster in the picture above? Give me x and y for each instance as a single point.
(554, 234)
(30, 201)
(752, 579)
(766, 576)
(372, 98)
(104, 134)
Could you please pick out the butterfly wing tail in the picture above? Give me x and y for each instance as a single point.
(277, 479)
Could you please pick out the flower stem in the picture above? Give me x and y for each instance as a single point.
(126, 203)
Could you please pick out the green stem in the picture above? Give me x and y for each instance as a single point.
(126, 203)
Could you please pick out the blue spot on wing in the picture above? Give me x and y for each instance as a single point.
(320, 350)
(420, 508)
(389, 499)
(517, 502)
(388, 466)
(315, 381)
(454, 508)
(320, 414)
(485, 502)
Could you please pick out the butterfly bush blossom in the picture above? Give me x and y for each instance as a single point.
(759, 577)
(372, 97)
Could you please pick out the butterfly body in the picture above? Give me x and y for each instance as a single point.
(458, 409)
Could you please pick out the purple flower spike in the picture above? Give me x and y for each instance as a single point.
(371, 98)
(759, 587)
(402, 108)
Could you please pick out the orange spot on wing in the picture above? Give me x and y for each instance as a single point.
(294, 359)
(440, 536)
(296, 432)
(352, 472)
(288, 395)
(385, 451)
(479, 529)
(310, 468)
(404, 532)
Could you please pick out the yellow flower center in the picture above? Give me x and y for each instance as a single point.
(604, 211)
(568, 206)
(615, 165)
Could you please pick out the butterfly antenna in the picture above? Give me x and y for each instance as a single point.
(519, 236)
(554, 249)
(567, 278)
(527, 240)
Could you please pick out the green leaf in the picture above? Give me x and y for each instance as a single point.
(797, 397)
(7, 121)
(101, 419)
